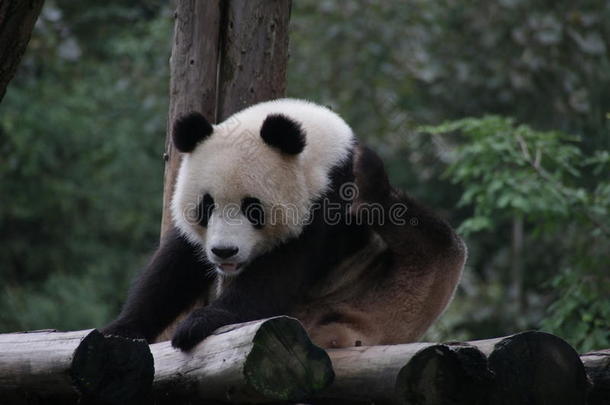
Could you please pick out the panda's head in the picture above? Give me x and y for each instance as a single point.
(251, 182)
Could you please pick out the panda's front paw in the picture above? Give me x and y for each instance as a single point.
(191, 331)
(118, 328)
(200, 324)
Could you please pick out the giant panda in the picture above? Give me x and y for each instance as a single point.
(279, 210)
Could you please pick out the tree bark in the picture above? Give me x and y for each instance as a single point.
(193, 70)
(262, 361)
(536, 368)
(597, 365)
(254, 53)
(273, 360)
(368, 373)
(414, 373)
(226, 56)
(445, 374)
(17, 19)
(526, 368)
(61, 366)
(516, 264)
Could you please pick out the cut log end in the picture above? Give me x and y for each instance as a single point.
(444, 374)
(284, 364)
(537, 368)
(112, 369)
(597, 365)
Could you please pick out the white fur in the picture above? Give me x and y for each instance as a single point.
(234, 162)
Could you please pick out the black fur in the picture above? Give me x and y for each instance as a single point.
(171, 283)
(424, 234)
(253, 210)
(343, 237)
(205, 210)
(189, 130)
(276, 282)
(283, 133)
(176, 277)
(267, 289)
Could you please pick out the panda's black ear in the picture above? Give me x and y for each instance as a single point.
(283, 133)
(189, 130)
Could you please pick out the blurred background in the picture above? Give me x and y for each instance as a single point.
(494, 112)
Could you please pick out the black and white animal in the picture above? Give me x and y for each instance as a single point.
(280, 211)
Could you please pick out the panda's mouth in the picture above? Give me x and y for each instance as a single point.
(229, 268)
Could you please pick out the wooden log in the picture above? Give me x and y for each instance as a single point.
(368, 373)
(261, 361)
(597, 365)
(273, 360)
(529, 367)
(445, 374)
(535, 368)
(409, 373)
(64, 365)
(193, 71)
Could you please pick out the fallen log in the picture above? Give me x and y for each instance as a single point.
(535, 368)
(529, 367)
(597, 364)
(413, 373)
(445, 374)
(61, 366)
(273, 360)
(368, 373)
(262, 361)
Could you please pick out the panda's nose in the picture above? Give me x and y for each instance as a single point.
(225, 252)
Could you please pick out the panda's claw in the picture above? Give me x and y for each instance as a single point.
(124, 331)
(189, 333)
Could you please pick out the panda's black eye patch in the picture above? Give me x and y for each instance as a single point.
(205, 209)
(253, 210)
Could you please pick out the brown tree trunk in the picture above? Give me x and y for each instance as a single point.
(193, 69)
(226, 55)
(254, 53)
(17, 18)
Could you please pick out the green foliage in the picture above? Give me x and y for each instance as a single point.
(545, 63)
(512, 171)
(582, 312)
(390, 66)
(82, 136)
